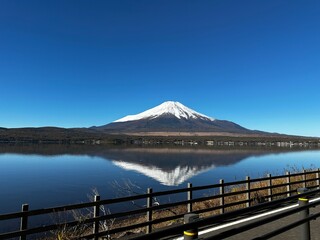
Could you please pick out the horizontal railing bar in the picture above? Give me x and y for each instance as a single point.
(167, 205)
(162, 193)
(251, 181)
(123, 199)
(302, 173)
(281, 193)
(9, 216)
(198, 188)
(218, 207)
(284, 184)
(282, 176)
(227, 184)
(291, 191)
(122, 214)
(228, 194)
(207, 209)
(236, 203)
(260, 189)
(176, 191)
(203, 199)
(302, 181)
(278, 185)
(310, 180)
(267, 178)
(194, 200)
(46, 210)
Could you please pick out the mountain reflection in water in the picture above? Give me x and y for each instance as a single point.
(171, 167)
(168, 166)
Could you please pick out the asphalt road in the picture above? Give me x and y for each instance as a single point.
(293, 234)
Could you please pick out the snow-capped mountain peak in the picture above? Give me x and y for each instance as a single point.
(170, 107)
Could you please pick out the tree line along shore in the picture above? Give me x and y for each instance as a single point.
(54, 135)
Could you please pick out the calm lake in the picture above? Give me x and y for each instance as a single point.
(51, 175)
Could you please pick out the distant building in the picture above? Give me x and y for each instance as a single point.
(210, 143)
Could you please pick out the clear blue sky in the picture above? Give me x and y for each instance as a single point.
(84, 63)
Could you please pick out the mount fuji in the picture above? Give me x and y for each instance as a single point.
(173, 117)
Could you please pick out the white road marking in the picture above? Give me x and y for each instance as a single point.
(246, 219)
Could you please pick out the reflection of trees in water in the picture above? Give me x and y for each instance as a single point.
(165, 158)
(167, 165)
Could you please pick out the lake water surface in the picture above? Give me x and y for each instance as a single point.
(51, 175)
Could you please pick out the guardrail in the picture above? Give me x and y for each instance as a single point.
(226, 217)
(231, 195)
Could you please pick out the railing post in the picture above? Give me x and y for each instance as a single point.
(24, 220)
(288, 184)
(96, 213)
(149, 212)
(304, 178)
(318, 178)
(305, 227)
(222, 196)
(269, 187)
(189, 197)
(190, 233)
(248, 204)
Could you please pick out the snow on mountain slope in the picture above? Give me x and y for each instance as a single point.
(172, 117)
(173, 108)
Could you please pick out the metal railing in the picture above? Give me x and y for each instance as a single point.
(230, 196)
